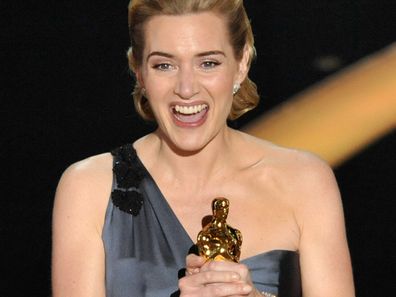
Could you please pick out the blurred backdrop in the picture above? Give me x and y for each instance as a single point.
(65, 95)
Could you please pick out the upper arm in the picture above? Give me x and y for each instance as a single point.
(324, 256)
(77, 251)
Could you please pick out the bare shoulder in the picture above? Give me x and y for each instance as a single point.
(78, 216)
(85, 186)
(299, 175)
(90, 169)
(303, 171)
(304, 184)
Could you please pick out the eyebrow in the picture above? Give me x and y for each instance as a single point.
(167, 55)
(162, 54)
(210, 53)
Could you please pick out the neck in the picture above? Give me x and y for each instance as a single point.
(194, 168)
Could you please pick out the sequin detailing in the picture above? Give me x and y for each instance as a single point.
(129, 173)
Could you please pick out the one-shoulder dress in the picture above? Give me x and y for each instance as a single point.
(146, 245)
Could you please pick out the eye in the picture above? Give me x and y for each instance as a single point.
(163, 66)
(209, 64)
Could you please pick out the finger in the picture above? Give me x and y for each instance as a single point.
(241, 269)
(194, 263)
(209, 277)
(235, 289)
(193, 286)
(223, 266)
(194, 260)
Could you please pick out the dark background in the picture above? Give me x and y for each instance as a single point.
(65, 95)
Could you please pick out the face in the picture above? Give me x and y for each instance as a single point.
(188, 71)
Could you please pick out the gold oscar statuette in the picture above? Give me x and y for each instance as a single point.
(217, 240)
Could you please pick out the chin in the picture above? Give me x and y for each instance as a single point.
(188, 141)
(187, 146)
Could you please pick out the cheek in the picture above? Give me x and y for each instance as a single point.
(222, 81)
(220, 86)
(155, 86)
(221, 92)
(156, 92)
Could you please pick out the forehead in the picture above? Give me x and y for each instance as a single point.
(190, 33)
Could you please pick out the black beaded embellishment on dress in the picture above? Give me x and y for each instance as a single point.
(129, 172)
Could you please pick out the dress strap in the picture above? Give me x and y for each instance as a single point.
(129, 174)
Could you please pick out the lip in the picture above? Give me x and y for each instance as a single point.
(189, 103)
(199, 120)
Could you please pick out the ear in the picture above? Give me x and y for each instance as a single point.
(243, 65)
(139, 79)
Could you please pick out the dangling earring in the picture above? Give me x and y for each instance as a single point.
(143, 91)
(235, 88)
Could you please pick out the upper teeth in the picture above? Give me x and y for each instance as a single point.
(190, 109)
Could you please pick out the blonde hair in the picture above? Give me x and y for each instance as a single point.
(240, 34)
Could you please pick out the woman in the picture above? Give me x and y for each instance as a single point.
(191, 60)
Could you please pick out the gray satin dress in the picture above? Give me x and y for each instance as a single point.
(146, 245)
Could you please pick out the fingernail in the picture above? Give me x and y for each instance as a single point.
(235, 276)
(246, 288)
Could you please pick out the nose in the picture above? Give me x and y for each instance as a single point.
(186, 85)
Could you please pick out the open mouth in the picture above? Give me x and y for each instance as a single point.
(190, 115)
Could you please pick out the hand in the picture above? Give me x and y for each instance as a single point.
(216, 278)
